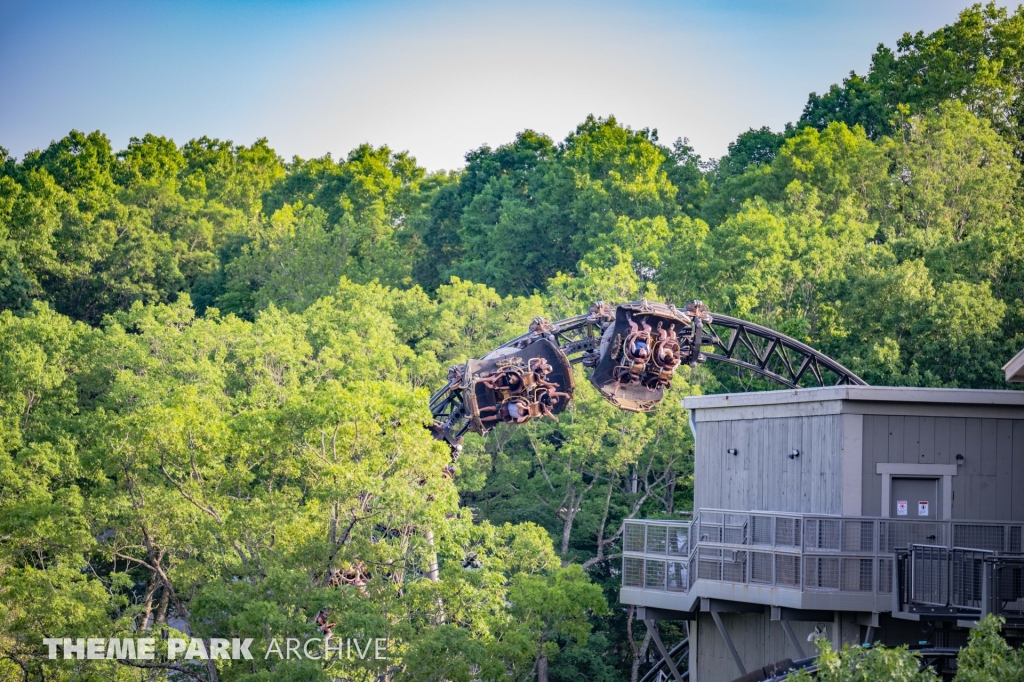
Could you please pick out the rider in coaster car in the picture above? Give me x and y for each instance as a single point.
(640, 349)
(507, 380)
(515, 411)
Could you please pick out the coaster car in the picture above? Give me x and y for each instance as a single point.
(642, 348)
(515, 384)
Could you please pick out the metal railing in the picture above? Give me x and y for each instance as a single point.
(959, 582)
(806, 552)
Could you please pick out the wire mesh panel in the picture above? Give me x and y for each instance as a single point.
(709, 564)
(656, 535)
(632, 572)
(678, 540)
(691, 570)
(710, 528)
(979, 536)
(822, 534)
(885, 575)
(929, 575)
(787, 570)
(678, 581)
(634, 537)
(787, 532)
(821, 573)
(893, 535)
(1014, 542)
(761, 565)
(654, 575)
(967, 569)
(762, 529)
(734, 566)
(734, 529)
(858, 536)
(857, 574)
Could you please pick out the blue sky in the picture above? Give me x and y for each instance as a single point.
(435, 78)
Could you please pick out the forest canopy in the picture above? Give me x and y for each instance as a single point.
(215, 363)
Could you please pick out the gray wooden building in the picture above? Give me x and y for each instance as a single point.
(862, 513)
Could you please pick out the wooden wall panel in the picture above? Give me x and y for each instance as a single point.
(896, 439)
(732, 492)
(989, 446)
(927, 440)
(787, 487)
(972, 467)
(1004, 469)
(761, 475)
(876, 449)
(958, 445)
(942, 442)
(1017, 490)
(911, 440)
(983, 497)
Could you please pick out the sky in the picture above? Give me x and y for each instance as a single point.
(435, 78)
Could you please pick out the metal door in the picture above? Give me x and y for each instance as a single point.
(914, 499)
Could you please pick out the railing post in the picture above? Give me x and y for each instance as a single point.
(986, 588)
(949, 578)
(897, 582)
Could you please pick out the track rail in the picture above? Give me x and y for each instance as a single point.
(773, 355)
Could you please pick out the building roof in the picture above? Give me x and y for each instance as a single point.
(1015, 368)
(953, 396)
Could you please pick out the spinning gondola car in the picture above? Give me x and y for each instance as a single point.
(632, 352)
(641, 350)
(513, 385)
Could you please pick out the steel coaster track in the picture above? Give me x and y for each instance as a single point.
(770, 348)
(679, 653)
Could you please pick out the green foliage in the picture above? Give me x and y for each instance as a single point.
(528, 211)
(988, 658)
(224, 474)
(976, 60)
(856, 664)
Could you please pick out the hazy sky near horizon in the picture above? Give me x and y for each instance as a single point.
(435, 78)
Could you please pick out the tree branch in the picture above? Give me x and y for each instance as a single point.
(208, 510)
(163, 666)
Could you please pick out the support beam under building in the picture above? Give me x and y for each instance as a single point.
(728, 641)
(653, 613)
(792, 638)
(729, 606)
(652, 627)
(785, 613)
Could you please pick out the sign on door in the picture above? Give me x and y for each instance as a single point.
(901, 507)
(922, 508)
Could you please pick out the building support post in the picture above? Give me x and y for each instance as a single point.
(869, 621)
(652, 627)
(728, 641)
(869, 635)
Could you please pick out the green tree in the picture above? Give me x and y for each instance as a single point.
(856, 664)
(975, 60)
(988, 657)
